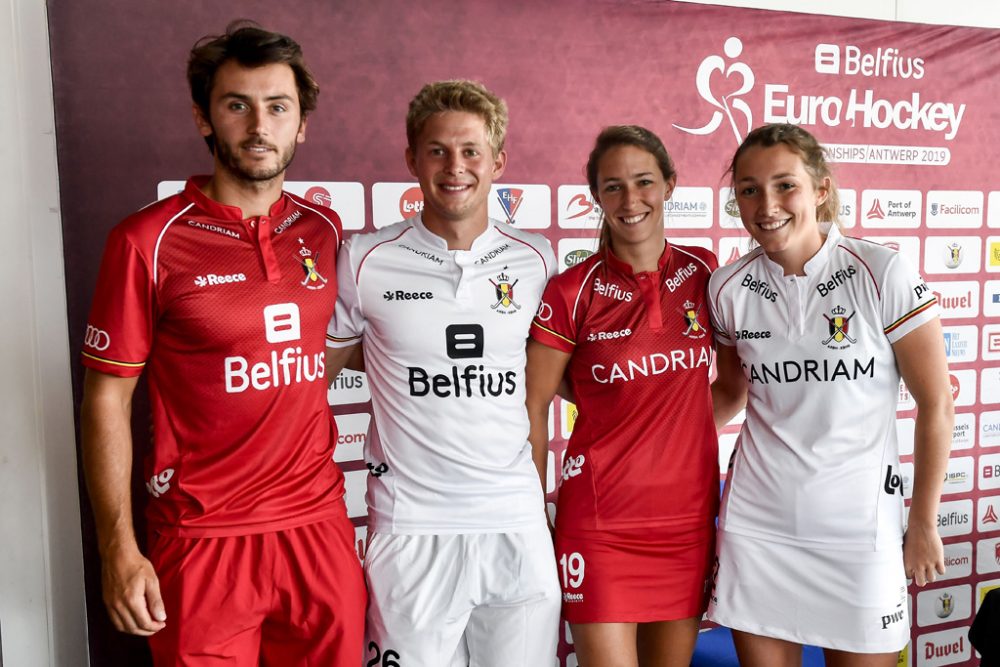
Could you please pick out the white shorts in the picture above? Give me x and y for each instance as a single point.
(851, 601)
(441, 600)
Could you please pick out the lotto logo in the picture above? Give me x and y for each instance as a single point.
(573, 466)
(160, 484)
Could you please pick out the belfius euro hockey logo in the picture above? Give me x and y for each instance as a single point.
(308, 259)
(504, 289)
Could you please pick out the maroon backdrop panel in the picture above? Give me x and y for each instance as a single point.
(908, 110)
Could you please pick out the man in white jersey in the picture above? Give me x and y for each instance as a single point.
(460, 565)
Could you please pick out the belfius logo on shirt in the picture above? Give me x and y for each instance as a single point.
(282, 324)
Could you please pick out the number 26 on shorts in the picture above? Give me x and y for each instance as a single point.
(387, 659)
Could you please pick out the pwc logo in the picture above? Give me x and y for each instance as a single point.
(411, 202)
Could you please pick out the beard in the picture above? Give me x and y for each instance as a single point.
(253, 172)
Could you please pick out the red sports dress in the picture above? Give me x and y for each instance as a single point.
(229, 316)
(639, 491)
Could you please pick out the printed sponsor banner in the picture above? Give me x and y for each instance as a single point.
(904, 435)
(577, 208)
(955, 518)
(991, 342)
(572, 251)
(957, 299)
(348, 388)
(989, 471)
(890, 209)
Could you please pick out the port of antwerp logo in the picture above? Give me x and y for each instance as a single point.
(722, 82)
(505, 294)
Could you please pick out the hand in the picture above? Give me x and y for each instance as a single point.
(132, 593)
(923, 553)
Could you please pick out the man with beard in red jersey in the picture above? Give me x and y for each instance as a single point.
(223, 292)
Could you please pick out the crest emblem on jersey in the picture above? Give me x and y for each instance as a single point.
(308, 259)
(694, 327)
(839, 329)
(505, 294)
(510, 201)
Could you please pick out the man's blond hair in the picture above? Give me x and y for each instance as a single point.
(458, 95)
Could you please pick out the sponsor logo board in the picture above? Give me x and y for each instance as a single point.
(958, 299)
(963, 433)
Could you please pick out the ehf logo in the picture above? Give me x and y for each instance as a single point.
(722, 81)
(510, 200)
(839, 328)
(953, 255)
(694, 328)
(505, 294)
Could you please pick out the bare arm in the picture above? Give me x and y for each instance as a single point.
(729, 391)
(339, 358)
(922, 364)
(130, 587)
(546, 367)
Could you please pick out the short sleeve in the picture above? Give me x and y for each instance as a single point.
(120, 328)
(348, 323)
(907, 301)
(554, 324)
(721, 325)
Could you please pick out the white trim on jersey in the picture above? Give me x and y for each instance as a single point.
(159, 238)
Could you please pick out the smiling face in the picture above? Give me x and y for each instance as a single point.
(255, 120)
(456, 167)
(631, 189)
(777, 199)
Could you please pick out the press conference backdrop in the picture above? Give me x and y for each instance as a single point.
(907, 112)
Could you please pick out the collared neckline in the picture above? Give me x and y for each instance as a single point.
(224, 212)
(625, 268)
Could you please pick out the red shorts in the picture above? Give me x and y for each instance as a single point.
(292, 597)
(635, 576)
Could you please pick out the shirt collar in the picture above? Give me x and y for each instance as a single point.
(220, 211)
